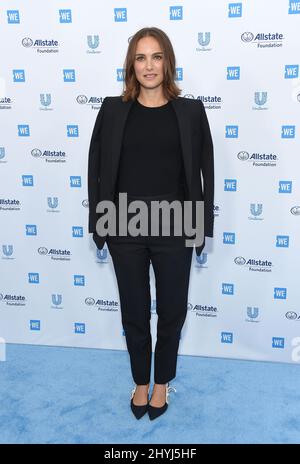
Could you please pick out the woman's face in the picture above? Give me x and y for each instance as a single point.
(148, 63)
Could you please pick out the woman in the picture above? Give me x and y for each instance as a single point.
(151, 144)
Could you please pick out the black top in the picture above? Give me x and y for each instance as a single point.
(151, 158)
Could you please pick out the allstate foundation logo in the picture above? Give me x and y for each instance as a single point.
(243, 155)
(204, 310)
(295, 210)
(204, 41)
(55, 253)
(256, 211)
(102, 305)
(27, 42)
(292, 316)
(11, 299)
(10, 204)
(211, 102)
(252, 314)
(262, 39)
(255, 265)
(50, 156)
(85, 203)
(93, 43)
(56, 300)
(6, 103)
(7, 251)
(260, 99)
(93, 102)
(258, 159)
(82, 99)
(41, 46)
(45, 100)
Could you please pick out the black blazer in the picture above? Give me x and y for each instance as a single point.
(197, 151)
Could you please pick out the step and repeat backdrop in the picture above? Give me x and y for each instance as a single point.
(58, 62)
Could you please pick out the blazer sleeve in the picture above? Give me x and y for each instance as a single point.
(94, 169)
(207, 168)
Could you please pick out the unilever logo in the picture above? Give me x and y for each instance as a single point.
(102, 254)
(252, 312)
(93, 41)
(203, 40)
(7, 250)
(260, 98)
(52, 202)
(56, 299)
(256, 209)
(45, 99)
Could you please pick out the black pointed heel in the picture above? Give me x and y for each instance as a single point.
(155, 412)
(138, 411)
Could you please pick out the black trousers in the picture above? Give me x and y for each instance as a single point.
(171, 262)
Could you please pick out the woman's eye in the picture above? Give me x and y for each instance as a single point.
(139, 58)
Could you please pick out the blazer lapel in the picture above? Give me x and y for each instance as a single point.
(184, 131)
(117, 136)
(185, 137)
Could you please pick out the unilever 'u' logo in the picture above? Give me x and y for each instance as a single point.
(202, 259)
(256, 209)
(45, 99)
(7, 250)
(52, 202)
(102, 254)
(260, 98)
(56, 299)
(93, 41)
(252, 312)
(2, 152)
(203, 40)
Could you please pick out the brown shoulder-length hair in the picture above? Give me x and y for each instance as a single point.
(131, 84)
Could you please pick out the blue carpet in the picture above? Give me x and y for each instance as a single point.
(79, 395)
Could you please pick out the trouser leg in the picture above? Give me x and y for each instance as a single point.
(171, 262)
(132, 263)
